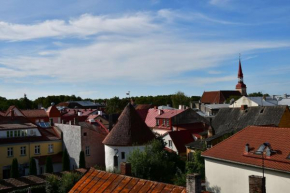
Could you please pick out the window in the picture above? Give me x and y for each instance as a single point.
(87, 150)
(123, 155)
(8, 134)
(10, 151)
(15, 133)
(50, 148)
(85, 134)
(22, 133)
(167, 122)
(18, 133)
(170, 143)
(23, 150)
(11, 133)
(37, 149)
(163, 122)
(157, 122)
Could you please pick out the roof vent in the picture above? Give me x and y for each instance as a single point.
(262, 110)
(247, 148)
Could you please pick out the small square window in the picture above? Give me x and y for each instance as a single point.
(87, 150)
(85, 133)
(123, 155)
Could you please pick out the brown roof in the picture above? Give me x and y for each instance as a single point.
(34, 113)
(52, 111)
(101, 181)
(180, 139)
(129, 130)
(233, 148)
(218, 97)
(7, 123)
(143, 106)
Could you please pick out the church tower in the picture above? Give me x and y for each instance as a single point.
(241, 86)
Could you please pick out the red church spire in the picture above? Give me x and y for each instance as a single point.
(240, 72)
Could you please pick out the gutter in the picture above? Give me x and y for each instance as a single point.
(244, 164)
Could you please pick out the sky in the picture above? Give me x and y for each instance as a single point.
(105, 48)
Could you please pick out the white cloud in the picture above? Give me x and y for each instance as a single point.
(83, 26)
(215, 72)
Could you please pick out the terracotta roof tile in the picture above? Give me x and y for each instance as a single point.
(218, 97)
(181, 138)
(34, 113)
(170, 114)
(232, 149)
(100, 181)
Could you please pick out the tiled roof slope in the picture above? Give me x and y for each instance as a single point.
(218, 97)
(169, 114)
(180, 139)
(129, 130)
(151, 116)
(101, 181)
(16, 122)
(34, 113)
(234, 119)
(232, 149)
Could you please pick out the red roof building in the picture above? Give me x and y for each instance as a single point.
(101, 181)
(243, 154)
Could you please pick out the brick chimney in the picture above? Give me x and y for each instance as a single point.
(257, 184)
(193, 183)
(244, 107)
(125, 168)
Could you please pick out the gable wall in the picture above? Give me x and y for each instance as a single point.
(285, 120)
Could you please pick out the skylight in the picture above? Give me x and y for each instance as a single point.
(288, 157)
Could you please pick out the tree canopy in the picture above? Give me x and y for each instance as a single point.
(65, 161)
(154, 163)
(14, 172)
(32, 167)
(82, 162)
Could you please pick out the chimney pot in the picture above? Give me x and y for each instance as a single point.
(126, 168)
(193, 183)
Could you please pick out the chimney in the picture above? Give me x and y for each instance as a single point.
(247, 148)
(244, 107)
(160, 112)
(257, 184)
(12, 113)
(193, 183)
(125, 168)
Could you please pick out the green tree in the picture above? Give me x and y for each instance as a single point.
(52, 184)
(197, 165)
(82, 163)
(68, 180)
(180, 98)
(65, 161)
(14, 172)
(257, 94)
(48, 165)
(32, 167)
(154, 163)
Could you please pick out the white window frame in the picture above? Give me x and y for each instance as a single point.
(50, 148)
(87, 150)
(23, 150)
(10, 151)
(167, 122)
(170, 143)
(37, 149)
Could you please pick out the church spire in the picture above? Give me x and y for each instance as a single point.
(241, 86)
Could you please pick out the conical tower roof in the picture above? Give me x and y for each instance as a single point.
(129, 130)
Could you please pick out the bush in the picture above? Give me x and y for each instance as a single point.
(82, 163)
(32, 167)
(65, 161)
(14, 172)
(48, 165)
(68, 180)
(52, 184)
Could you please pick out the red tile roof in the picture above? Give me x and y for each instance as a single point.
(218, 97)
(151, 116)
(101, 181)
(232, 149)
(52, 111)
(180, 139)
(143, 106)
(56, 158)
(34, 113)
(169, 114)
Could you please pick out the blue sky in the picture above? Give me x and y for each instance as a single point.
(104, 48)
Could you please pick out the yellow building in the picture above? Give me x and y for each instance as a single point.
(21, 139)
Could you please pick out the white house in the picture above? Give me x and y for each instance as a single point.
(254, 102)
(128, 134)
(231, 165)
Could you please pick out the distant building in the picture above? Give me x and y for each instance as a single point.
(254, 101)
(22, 139)
(129, 133)
(236, 164)
(84, 137)
(80, 105)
